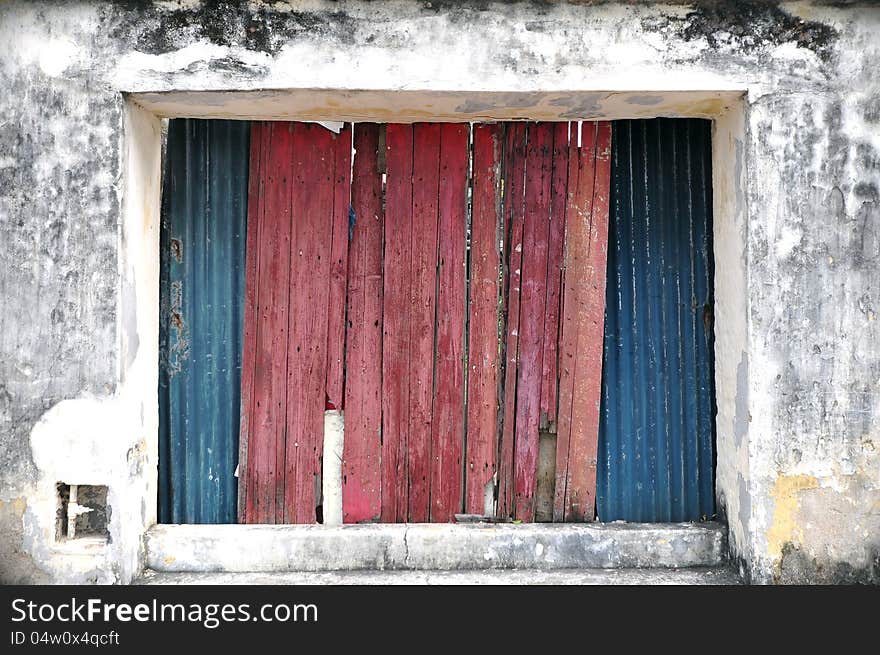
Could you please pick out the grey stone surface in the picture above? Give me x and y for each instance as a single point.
(432, 546)
(691, 576)
(16, 564)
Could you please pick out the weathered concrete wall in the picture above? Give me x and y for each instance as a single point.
(797, 236)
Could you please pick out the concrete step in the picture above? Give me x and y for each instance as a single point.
(690, 576)
(433, 547)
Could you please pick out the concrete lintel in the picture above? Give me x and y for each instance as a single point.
(412, 105)
(270, 548)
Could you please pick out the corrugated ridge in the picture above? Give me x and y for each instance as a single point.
(202, 239)
(656, 439)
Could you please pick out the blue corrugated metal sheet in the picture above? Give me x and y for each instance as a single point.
(203, 234)
(656, 434)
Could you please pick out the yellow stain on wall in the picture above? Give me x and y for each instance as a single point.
(14, 506)
(705, 108)
(787, 503)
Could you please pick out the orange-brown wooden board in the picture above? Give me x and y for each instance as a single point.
(586, 245)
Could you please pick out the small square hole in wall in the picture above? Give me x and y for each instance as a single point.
(82, 511)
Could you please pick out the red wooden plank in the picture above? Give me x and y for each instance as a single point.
(448, 426)
(396, 323)
(287, 322)
(514, 166)
(483, 359)
(426, 153)
(361, 488)
(256, 473)
(298, 289)
(533, 298)
(248, 455)
(312, 214)
(581, 495)
(338, 267)
(550, 375)
(267, 434)
(278, 278)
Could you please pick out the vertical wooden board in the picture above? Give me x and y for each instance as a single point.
(247, 454)
(583, 323)
(361, 492)
(280, 164)
(268, 431)
(595, 158)
(263, 487)
(550, 359)
(578, 179)
(577, 246)
(514, 212)
(298, 289)
(320, 212)
(531, 325)
(483, 353)
(341, 149)
(423, 284)
(448, 425)
(396, 323)
(312, 213)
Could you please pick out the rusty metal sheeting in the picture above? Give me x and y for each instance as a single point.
(204, 214)
(656, 436)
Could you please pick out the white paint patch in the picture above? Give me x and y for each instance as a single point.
(789, 239)
(539, 549)
(791, 51)
(489, 498)
(177, 4)
(201, 52)
(57, 56)
(333, 126)
(331, 479)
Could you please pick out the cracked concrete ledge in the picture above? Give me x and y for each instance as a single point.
(691, 576)
(432, 547)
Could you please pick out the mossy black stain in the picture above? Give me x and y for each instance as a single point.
(765, 23)
(796, 567)
(156, 31)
